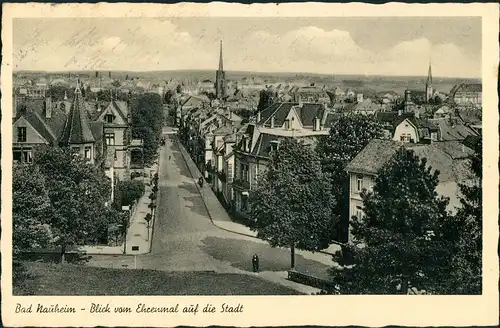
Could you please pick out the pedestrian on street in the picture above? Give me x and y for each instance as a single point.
(255, 263)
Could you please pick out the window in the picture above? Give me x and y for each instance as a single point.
(405, 137)
(229, 172)
(359, 183)
(88, 152)
(287, 124)
(110, 138)
(359, 212)
(109, 118)
(21, 134)
(244, 172)
(116, 157)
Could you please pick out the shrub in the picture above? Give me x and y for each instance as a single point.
(130, 191)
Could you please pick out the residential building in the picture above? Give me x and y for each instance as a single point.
(451, 162)
(39, 122)
(411, 129)
(311, 94)
(467, 95)
(252, 152)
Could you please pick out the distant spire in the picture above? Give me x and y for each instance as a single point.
(429, 74)
(77, 89)
(221, 66)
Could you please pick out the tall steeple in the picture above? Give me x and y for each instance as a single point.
(221, 66)
(429, 91)
(429, 75)
(220, 78)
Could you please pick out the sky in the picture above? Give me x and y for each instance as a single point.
(332, 45)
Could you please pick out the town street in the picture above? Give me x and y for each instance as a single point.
(185, 239)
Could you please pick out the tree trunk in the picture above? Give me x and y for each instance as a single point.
(63, 252)
(404, 285)
(292, 259)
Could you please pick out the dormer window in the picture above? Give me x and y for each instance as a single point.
(274, 145)
(109, 118)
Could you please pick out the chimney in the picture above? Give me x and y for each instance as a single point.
(48, 106)
(317, 124)
(400, 112)
(258, 117)
(272, 121)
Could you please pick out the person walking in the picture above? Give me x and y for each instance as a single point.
(255, 263)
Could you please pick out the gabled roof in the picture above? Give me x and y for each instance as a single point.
(307, 113)
(49, 128)
(473, 142)
(279, 110)
(77, 129)
(118, 111)
(452, 129)
(472, 87)
(373, 157)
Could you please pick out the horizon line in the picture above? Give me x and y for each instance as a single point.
(238, 71)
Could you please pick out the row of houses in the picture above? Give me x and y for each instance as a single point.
(99, 132)
(233, 155)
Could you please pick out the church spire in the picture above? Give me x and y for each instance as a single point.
(221, 66)
(429, 74)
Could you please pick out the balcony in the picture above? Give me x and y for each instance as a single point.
(241, 184)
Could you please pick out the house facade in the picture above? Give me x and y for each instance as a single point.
(252, 152)
(467, 94)
(451, 159)
(40, 122)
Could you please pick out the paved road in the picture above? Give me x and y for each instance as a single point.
(186, 240)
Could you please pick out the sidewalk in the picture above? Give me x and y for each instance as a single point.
(220, 218)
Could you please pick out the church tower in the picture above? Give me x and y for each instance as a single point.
(429, 92)
(220, 78)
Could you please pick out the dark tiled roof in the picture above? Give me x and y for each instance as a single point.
(77, 130)
(452, 129)
(97, 129)
(308, 112)
(278, 110)
(50, 128)
(473, 142)
(332, 118)
(263, 145)
(475, 87)
(373, 157)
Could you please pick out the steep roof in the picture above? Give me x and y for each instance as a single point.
(49, 128)
(77, 129)
(279, 110)
(373, 157)
(472, 87)
(452, 129)
(307, 112)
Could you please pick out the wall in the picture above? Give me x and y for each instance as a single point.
(405, 128)
(354, 195)
(32, 136)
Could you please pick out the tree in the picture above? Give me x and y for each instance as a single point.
(288, 204)
(130, 191)
(266, 99)
(465, 229)
(147, 122)
(31, 214)
(116, 84)
(78, 193)
(348, 136)
(401, 235)
(178, 89)
(168, 96)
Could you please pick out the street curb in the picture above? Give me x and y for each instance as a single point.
(184, 154)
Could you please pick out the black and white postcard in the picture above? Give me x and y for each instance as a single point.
(249, 165)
